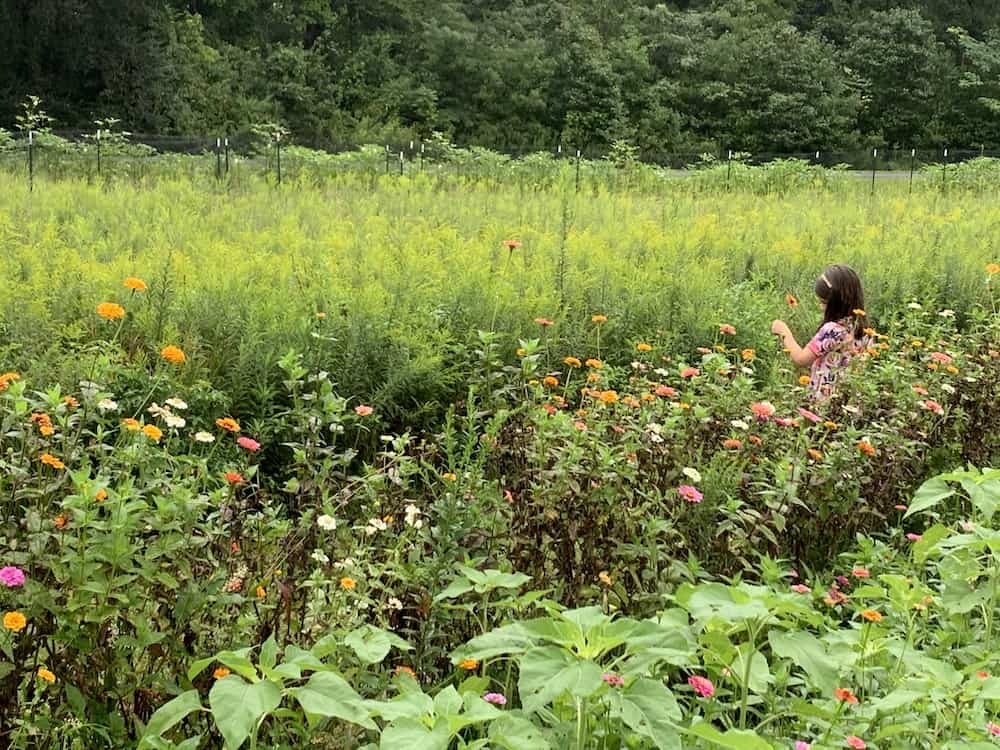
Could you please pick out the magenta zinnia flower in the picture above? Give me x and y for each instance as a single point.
(810, 415)
(800, 745)
(497, 699)
(993, 729)
(702, 686)
(690, 493)
(248, 443)
(11, 577)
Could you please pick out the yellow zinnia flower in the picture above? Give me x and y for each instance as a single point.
(110, 311)
(14, 621)
(173, 355)
(46, 674)
(136, 285)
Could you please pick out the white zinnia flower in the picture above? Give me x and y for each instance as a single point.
(320, 556)
(106, 404)
(158, 411)
(394, 603)
(329, 523)
(915, 306)
(693, 474)
(412, 513)
(739, 424)
(204, 437)
(374, 526)
(174, 421)
(947, 313)
(176, 403)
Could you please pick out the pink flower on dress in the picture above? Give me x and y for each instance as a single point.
(690, 493)
(11, 577)
(248, 443)
(702, 686)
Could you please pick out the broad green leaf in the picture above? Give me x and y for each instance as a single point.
(410, 734)
(517, 733)
(928, 541)
(412, 704)
(269, 653)
(760, 673)
(733, 739)
(648, 708)
(237, 706)
(509, 639)
(239, 663)
(455, 589)
(548, 672)
(304, 660)
(373, 644)
(807, 652)
(172, 713)
(931, 492)
(448, 702)
(328, 695)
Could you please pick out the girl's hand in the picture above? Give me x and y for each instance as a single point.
(779, 328)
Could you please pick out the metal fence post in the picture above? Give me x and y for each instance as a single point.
(913, 163)
(944, 173)
(874, 167)
(227, 156)
(218, 159)
(98, 152)
(277, 143)
(31, 161)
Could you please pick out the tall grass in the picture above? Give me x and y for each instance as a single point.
(406, 269)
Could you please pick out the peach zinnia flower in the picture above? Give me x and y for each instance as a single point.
(732, 444)
(248, 444)
(110, 311)
(405, 670)
(173, 355)
(944, 359)
(233, 477)
(363, 410)
(131, 424)
(993, 268)
(690, 372)
(791, 300)
(595, 364)
(14, 621)
(511, 244)
(228, 423)
(860, 573)
(814, 454)
(762, 410)
(727, 329)
(135, 284)
(543, 322)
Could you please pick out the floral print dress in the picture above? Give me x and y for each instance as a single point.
(834, 346)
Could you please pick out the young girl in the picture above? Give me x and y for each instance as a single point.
(841, 336)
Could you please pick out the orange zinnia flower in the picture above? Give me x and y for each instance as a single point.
(867, 448)
(598, 318)
(220, 673)
(405, 670)
(594, 363)
(550, 381)
(791, 300)
(843, 694)
(131, 424)
(153, 432)
(14, 621)
(468, 664)
(814, 454)
(101, 496)
(748, 355)
(136, 285)
(49, 460)
(572, 361)
(173, 355)
(60, 521)
(348, 583)
(228, 423)
(7, 378)
(871, 615)
(71, 402)
(643, 347)
(732, 444)
(110, 311)
(993, 268)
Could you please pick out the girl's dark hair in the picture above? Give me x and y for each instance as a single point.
(840, 288)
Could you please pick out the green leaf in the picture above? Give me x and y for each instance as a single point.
(455, 589)
(760, 673)
(928, 542)
(517, 733)
(549, 671)
(239, 663)
(373, 644)
(328, 695)
(807, 652)
(172, 713)
(733, 739)
(931, 492)
(269, 653)
(648, 708)
(414, 735)
(237, 706)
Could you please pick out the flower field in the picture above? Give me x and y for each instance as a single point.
(441, 462)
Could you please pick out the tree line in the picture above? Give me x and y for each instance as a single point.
(519, 75)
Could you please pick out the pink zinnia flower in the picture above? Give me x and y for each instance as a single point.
(690, 493)
(993, 729)
(497, 699)
(613, 680)
(801, 588)
(933, 406)
(861, 573)
(899, 507)
(942, 358)
(913, 537)
(233, 477)
(919, 389)
(702, 686)
(786, 421)
(363, 411)
(665, 391)
(11, 577)
(690, 372)
(762, 410)
(248, 443)
(810, 416)
(727, 329)
(856, 742)
(800, 745)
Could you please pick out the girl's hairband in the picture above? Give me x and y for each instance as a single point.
(826, 281)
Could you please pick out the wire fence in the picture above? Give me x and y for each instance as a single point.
(105, 154)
